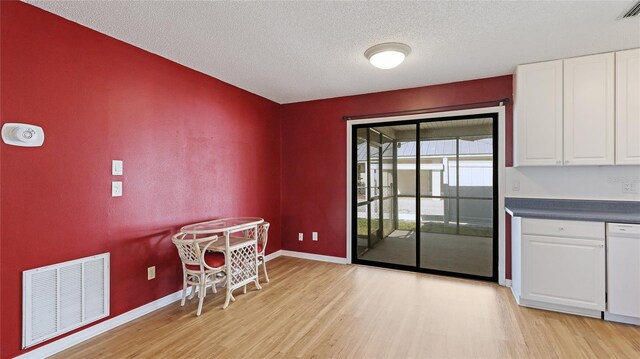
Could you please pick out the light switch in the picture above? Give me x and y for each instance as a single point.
(314, 236)
(116, 189)
(116, 168)
(151, 273)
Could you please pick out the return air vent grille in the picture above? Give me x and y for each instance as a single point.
(62, 297)
(633, 11)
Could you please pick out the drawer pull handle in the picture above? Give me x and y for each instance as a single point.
(562, 228)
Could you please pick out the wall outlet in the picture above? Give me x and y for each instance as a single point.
(630, 187)
(314, 236)
(151, 273)
(116, 189)
(515, 185)
(117, 168)
(300, 237)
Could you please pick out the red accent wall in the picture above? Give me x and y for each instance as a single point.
(314, 156)
(194, 148)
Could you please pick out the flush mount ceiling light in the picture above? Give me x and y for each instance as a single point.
(388, 55)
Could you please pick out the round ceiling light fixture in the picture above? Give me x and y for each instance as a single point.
(388, 55)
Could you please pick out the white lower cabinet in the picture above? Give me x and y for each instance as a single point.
(564, 271)
(562, 265)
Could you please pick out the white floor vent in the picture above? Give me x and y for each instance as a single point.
(62, 297)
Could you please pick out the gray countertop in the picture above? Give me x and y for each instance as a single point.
(577, 210)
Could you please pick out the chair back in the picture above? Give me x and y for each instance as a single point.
(189, 249)
(263, 235)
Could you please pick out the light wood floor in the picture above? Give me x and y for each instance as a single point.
(315, 309)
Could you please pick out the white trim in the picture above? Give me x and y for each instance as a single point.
(314, 257)
(90, 332)
(349, 189)
(515, 296)
(500, 110)
(273, 255)
(621, 318)
(304, 255)
(560, 308)
(507, 283)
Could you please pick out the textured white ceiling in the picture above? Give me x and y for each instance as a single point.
(297, 51)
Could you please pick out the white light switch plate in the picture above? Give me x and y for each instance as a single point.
(314, 236)
(116, 189)
(151, 273)
(300, 236)
(117, 168)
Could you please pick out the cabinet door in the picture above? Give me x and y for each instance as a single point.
(538, 114)
(565, 271)
(589, 110)
(628, 107)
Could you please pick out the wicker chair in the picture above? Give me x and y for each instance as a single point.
(199, 267)
(263, 236)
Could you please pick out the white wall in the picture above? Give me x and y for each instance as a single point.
(579, 182)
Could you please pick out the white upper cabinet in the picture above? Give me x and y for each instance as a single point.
(628, 107)
(589, 110)
(538, 114)
(578, 111)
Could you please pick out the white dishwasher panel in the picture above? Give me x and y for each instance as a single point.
(623, 270)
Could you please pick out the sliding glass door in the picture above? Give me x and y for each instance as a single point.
(385, 219)
(425, 196)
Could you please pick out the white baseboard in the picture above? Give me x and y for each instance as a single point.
(273, 255)
(621, 318)
(315, 257)
(90, 332)
(560, 308)
(515, 295)
(507, 283)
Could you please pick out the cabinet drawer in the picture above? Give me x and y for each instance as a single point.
(575, 229)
